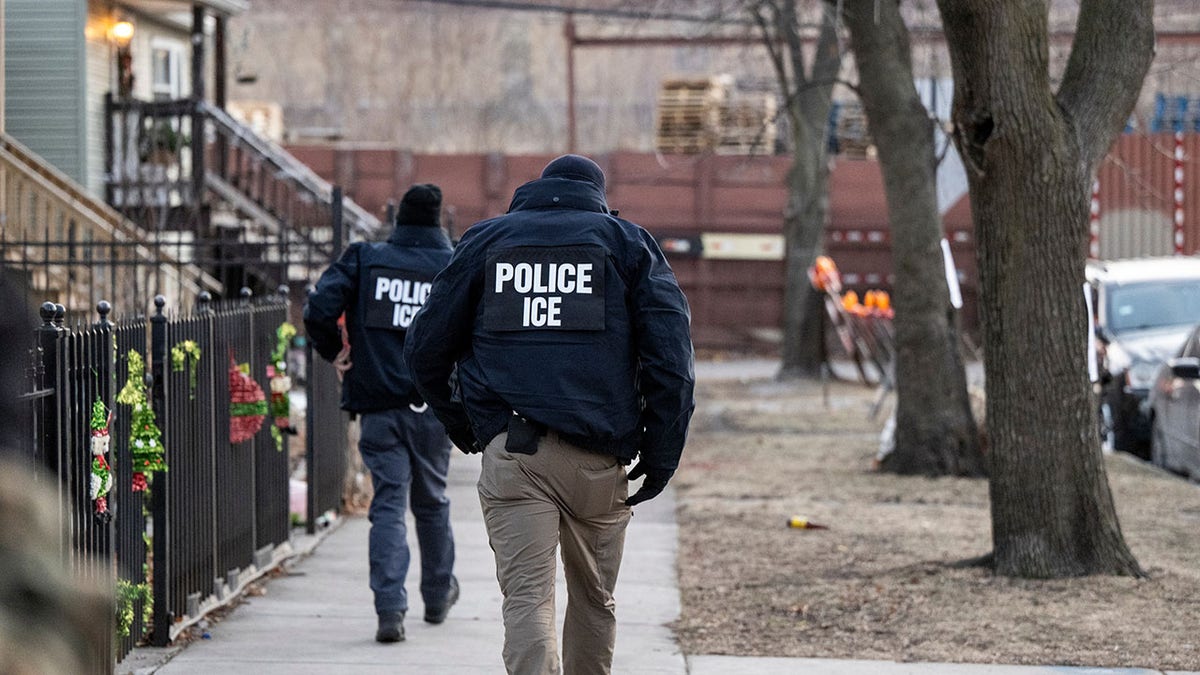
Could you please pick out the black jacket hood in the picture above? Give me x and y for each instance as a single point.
(556, 192)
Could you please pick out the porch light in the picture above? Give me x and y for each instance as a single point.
(122, 33)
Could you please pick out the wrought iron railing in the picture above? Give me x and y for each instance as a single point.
(227, 198)
(73, 248)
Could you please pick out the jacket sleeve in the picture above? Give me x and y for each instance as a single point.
(666, 379)
(440, 335)
(335, 291)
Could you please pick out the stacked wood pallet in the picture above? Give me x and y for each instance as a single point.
(689, 113)
(709, 115)
(747, 125)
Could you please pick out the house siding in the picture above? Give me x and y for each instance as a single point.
(44, 106)
(100, 78)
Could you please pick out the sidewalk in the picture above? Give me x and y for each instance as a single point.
(319, 618)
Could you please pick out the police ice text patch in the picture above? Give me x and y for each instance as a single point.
(395, 296)
(545, 288)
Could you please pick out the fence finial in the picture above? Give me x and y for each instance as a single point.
(104, 308)
(47, 311)
(159, 303)
(246, 293)
(284, 291)
(60, 313)
(204, 302)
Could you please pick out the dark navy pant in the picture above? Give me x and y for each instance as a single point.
(408, 455)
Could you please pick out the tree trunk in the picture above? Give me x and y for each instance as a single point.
(935, 431)
(803, 224)
(1031, 157)
(807, 97)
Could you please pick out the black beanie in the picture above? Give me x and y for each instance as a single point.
(421, 206)
(575, 167)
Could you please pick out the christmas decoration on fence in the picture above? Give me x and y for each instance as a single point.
(281, 384)
(187, 354)
(145, 438)
(101, 478)
(247, 404)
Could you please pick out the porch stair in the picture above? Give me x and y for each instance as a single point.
(57, 233)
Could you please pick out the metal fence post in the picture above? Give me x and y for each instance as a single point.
(47, 343)
(156, 381)
(339, 230)
(104, 360)
(50, 417)
(310, 442)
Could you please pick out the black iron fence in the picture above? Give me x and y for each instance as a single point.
(326, 438)
(218, 516)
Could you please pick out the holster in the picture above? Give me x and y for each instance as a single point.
(523, 435)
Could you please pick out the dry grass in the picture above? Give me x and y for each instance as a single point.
(877, 584)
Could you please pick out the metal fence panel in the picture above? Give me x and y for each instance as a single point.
(221, 508)
(191, 394)
(326, 437)
(130, 517)
(270, 463)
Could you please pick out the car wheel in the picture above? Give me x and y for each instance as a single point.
(1108, 432)
(1158, 445)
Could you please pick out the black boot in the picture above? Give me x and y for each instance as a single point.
(437, 613)
(391, 627)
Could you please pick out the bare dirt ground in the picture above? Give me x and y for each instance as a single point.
(878, 584)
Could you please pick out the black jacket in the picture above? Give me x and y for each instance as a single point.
(379, 286)
(566, 315)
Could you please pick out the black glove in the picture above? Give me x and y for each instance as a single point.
(655, 483)
(464, 439)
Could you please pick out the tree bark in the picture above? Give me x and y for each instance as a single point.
(935, 431)
(1031, 157)
(807, 97)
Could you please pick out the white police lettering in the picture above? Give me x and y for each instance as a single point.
(396, 298)
(545, 287)
(548, 278)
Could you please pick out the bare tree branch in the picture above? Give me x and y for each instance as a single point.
(771, 42)
(1113, 43)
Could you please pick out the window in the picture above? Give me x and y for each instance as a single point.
(1154, 304)
(165, 58)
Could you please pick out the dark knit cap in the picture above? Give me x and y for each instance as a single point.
(575, 167)
(421, 206)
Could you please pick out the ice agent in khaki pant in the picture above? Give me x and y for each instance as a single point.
(568, 338)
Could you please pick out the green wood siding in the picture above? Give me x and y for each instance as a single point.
(45, 72)
(100, 64)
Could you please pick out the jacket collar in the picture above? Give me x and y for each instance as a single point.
(558, 192)
(419, 236)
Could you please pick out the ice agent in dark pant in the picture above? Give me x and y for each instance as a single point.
(380, 287)
(568, 338)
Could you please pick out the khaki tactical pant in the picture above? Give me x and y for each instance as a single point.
(531, 504)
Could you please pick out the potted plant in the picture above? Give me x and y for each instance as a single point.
(161, 143)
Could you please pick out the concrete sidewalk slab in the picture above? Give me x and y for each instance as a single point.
(319, 618)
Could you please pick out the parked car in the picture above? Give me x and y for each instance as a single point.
(1175, 411)
(1144, 311)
